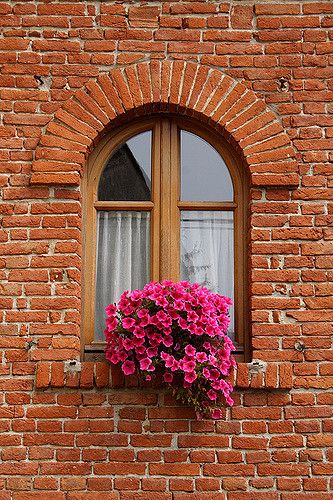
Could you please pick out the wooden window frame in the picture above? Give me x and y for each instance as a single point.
(165, 217)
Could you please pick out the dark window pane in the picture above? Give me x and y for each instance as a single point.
(207, 252)
(127, 174)
(122, 258)
(204, 174)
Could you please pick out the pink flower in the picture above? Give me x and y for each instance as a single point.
(145, 364)
(111, 323)
(169, 360)
(179, 305)
(128, 344)
(112, 357)
(188, 366)
(142, 312)
(128, 367)
(201, 357)
(190, 350)
(167, 341)
(229, 401)
(151, 352)
(139, 332)
(196, 330)
(140, 349)
(175, 366)
(182, 325)
(192, 316)
(216, 414)
(168, 377)
(190, 377)
(212, 395)
(214, 374)
(128, 323)
(212, 360)
(145, 320)
(122, 355)
(111, 310)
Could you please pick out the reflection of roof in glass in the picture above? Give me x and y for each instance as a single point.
(123, 179)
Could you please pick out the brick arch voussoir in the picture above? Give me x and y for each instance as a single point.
(184, 87)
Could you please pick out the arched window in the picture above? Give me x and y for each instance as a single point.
(164, 199)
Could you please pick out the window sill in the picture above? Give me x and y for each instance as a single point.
(90, 374)
(95, 352)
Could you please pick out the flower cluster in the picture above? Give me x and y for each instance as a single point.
(179, 331)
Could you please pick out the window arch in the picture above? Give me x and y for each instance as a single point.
(164, 198)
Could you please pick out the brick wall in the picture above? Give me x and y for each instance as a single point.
(261, 74)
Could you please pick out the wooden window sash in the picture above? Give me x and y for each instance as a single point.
(165, 208)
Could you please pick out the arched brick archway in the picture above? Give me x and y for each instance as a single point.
(169, 86)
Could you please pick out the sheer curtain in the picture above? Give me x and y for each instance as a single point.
(123, 247)
(207, 252)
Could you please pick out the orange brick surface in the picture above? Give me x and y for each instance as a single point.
(258, 72)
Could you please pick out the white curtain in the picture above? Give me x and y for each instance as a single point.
(123, 244)
(207, 252)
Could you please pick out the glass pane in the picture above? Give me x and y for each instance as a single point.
(204, 174)
(207, 252)
(127, 174)
(123, 248)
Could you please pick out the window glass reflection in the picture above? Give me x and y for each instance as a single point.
(207, 252)
(204, 174)
(127, 174)
(123, 257)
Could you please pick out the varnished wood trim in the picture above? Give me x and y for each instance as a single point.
(207, 205)
(165, 210)
(124, 205)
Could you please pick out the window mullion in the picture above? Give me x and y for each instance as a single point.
(174, 199)
(169, 254)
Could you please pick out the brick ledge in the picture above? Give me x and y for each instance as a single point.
(88, 374)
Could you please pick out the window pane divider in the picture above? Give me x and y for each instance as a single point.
(124, 205)
(207, 205)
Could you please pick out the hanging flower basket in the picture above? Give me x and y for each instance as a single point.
(179, 331)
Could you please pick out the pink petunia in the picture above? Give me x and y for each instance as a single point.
(182, 323)
(201, 357)
(190, 377)
(128, 367)
(142, 312)
(128, 323)
(151, 352)
(192, 316)
(217, 414)
(168, 377)
(111, 310)
(111, 323)
(214, 374)
(169, 360)
(190, 350)
(212, 395)
(128, 344)
(188, 366)
(145, 364)
(140, 349)
(167, 341)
